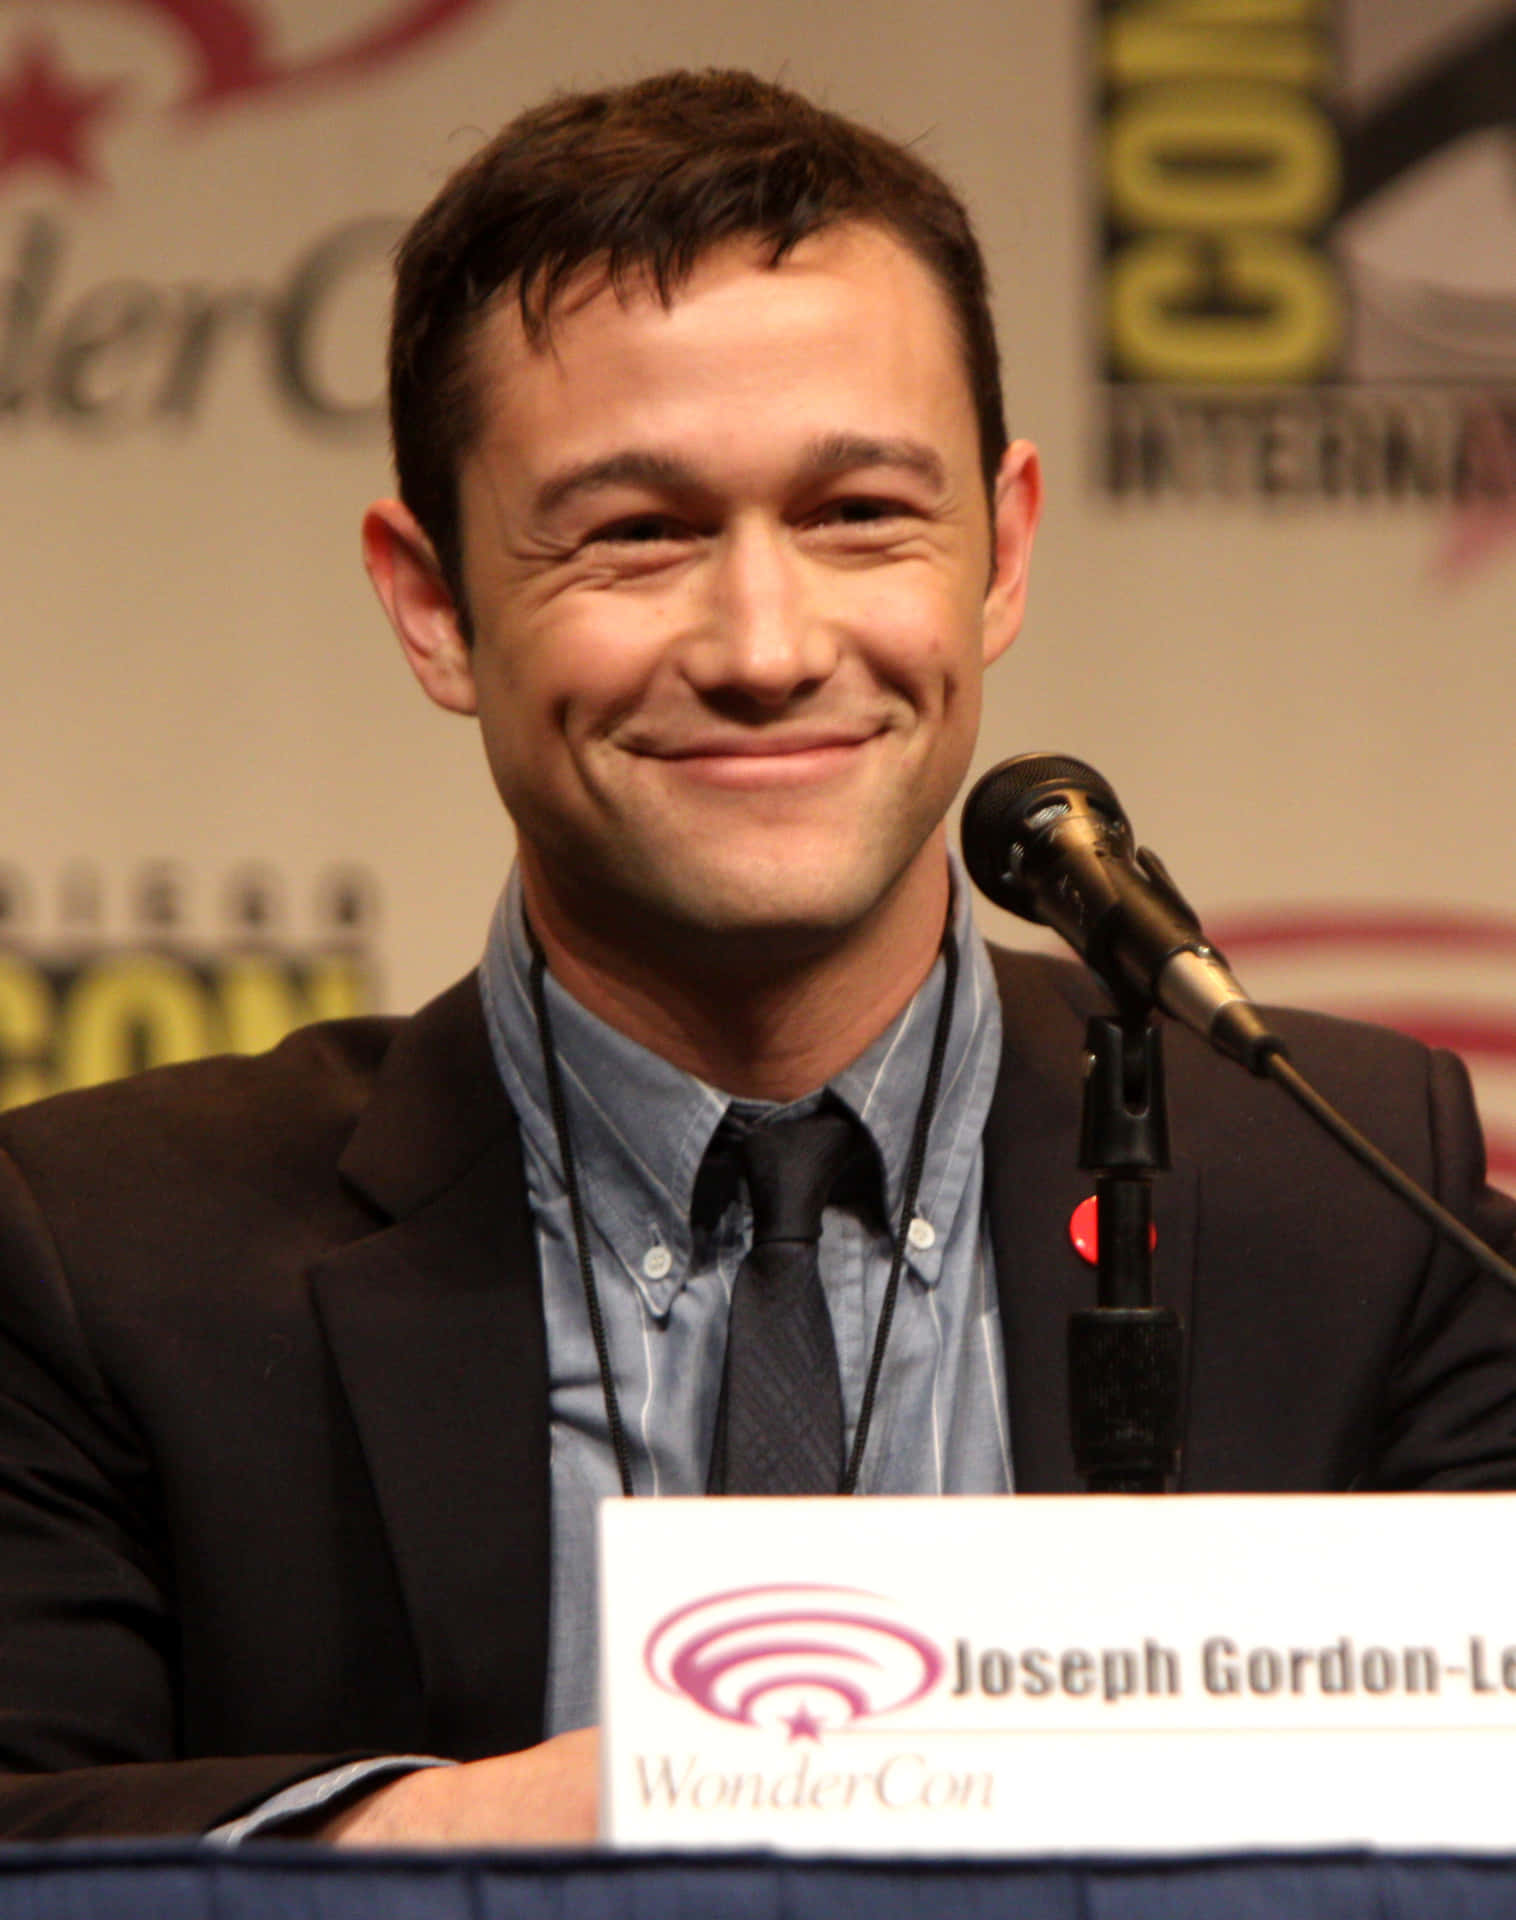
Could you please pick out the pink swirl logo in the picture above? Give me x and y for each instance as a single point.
(809, 1659)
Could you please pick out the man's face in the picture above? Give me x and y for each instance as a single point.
(727, 565)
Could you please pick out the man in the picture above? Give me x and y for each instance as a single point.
(316, 1367)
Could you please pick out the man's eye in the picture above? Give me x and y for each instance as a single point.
(861, 510)
(641, 529)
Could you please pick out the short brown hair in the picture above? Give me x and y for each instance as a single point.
(646, 178)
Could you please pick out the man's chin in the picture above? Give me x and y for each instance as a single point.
(766, 916)
(738, 905)
(744, 917)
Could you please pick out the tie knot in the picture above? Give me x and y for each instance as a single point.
(792, 1165)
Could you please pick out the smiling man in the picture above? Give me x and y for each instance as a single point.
(740, 1164)
(729, 575)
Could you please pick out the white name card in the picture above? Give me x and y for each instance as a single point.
(1060, 1675)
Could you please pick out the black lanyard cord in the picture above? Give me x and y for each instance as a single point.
(914, 1169)
(576, 1212)
(915, 1166)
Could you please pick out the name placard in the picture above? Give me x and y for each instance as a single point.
(1060, 1675)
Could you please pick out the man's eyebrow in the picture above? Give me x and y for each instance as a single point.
(847, 452)
(833, 453)
(635, 467)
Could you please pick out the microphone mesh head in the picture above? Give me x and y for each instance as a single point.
(1001, 810)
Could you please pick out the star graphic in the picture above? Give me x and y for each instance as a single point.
(1475, 537)
(1486, 522)
(46, 118)
(803, 1725)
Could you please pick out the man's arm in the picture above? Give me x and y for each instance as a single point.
(545, 1796)
(203, 1599)
(142, 1798)
(87, 1701)
(87, 1637)
(91, 1721)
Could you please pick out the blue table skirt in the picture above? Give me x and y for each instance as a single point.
(112, 1881)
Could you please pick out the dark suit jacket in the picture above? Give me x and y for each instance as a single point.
(273, 1398)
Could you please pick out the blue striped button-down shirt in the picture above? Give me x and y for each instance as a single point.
(640, 1129)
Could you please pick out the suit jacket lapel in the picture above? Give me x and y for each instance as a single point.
(435, 1323)
(1033, 1182)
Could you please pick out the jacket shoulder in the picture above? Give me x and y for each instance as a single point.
(1050, 998)
(310, 1087)
(285, 1124)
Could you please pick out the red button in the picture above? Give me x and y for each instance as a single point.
(1084, 1232)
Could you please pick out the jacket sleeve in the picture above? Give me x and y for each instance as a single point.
(88, 1721)
(1448, 1409)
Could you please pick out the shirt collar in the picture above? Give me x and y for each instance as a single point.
(638, 1181)
(883, 1088)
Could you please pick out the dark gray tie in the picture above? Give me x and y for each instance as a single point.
(779, 1422)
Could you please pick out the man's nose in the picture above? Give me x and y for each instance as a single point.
(763, 635)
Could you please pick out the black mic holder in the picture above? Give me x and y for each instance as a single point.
(1126, 1354)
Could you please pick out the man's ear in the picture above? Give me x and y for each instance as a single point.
(403, 566)
(1018, 504)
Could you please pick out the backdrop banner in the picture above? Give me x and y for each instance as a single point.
(1256, 283)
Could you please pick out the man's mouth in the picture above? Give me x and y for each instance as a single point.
(755, 760)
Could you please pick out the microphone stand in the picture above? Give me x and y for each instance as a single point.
(1126, 1354)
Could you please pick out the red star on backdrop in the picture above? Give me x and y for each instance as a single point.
(1486, 523)
(46, 119)
(1478, 535)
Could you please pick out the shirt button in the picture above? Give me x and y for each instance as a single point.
(921, 1234)
(656, 1263)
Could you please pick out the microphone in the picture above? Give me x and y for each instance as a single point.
(1045, 837)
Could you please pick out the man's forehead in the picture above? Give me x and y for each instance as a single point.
(841, 355)
(512, 328)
